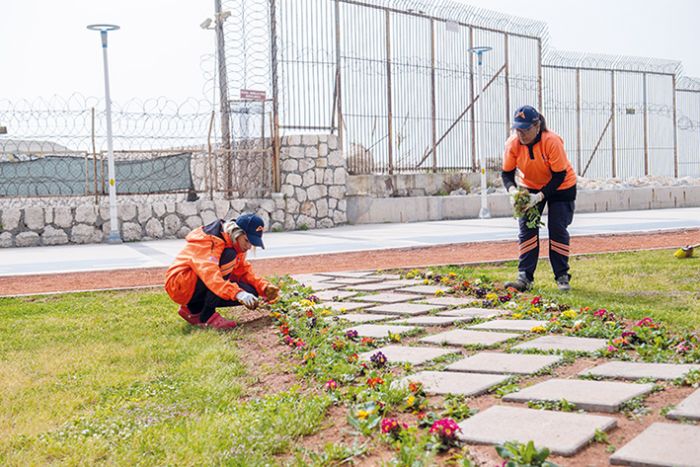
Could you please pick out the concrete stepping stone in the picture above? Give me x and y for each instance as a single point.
(464, 337)
(449, 301)
(406, 354)
(638, 370)
(343, 306)
(354, 274)
(361, 317)
(688, 409)
(381, 331)
(594, 396)
(306, 278)
(564, 343)
(354, 280)
(518, 325)
(334, 295)
(431, 320)
(445, 382)
(481, 313)
(562, 432)
(424, 289)
(379, 286)
(319, 286)
(403, 309)
(662, 444)
(387, 298)
(493, 362)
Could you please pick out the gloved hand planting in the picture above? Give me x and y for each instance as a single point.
(249, 300)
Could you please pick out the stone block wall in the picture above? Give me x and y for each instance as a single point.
(313, 175)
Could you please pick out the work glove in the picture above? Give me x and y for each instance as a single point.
(534, 200)
(272, 292)
(248, 299)
(512, 191)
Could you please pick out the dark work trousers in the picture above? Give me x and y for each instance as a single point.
(206, 302)
(561, 213)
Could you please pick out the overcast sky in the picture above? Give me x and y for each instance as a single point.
(45, 49)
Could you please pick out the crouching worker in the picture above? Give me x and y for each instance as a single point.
(212, 272)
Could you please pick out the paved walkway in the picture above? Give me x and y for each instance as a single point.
(159, 253)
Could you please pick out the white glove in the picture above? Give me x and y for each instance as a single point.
(248, 299)
(512, 191)
(534, 200)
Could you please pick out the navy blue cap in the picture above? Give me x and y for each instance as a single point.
(253, 226)
(525, 117)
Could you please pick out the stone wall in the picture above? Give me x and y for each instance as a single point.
(313, 176)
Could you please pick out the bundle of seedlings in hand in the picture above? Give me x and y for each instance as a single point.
(520, 209)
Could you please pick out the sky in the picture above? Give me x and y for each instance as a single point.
(46, 50)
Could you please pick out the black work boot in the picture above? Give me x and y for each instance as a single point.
(563, 283)
(521, 284)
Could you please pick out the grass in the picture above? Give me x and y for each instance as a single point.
(634, 285)
(119, 378)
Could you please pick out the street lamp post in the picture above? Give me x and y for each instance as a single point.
(484, 212)
(114, 236)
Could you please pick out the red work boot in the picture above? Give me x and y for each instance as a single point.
(188, 316)
(219, 322)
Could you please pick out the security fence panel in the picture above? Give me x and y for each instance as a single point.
(688, 101)
(596, 118)
(661, 125)
(522, 74)
(561, 105)
(629, 125)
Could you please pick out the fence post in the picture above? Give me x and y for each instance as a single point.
(539, 75)
(646, 125)
(675, 131)
(390, 128)
(613, 123)
(223, 97)
(277, 183)
(338, 78)
(578, 120)
(433, 110)
(507, 85)
(472, 118)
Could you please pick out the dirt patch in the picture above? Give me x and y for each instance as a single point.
(462, 253)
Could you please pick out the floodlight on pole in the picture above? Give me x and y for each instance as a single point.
(114, 236)
(484, 212)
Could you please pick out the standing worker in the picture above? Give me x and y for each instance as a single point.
(212, 272)
(546, 173)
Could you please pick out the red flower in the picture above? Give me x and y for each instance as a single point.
(331, 385)
(392, 426)
(284, 329)
(353, 358)
(536, 300)
(310, 313)
(415, 387)
(446, 429)
(647, 323)
(374, 382)
(367, 341)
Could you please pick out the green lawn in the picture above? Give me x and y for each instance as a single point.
(635, 285)
(119, 378)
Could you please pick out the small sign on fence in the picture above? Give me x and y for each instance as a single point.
(3, 130)
(253, 95)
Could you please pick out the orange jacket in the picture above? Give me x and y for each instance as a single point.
(201, 259)
(548, 155)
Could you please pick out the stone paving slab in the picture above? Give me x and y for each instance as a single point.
(305, 278)
(481, 313)
(519, 325)
(387, 298)
(354, 280)
(662, 444)
(412, 309)
(355, 274)
(688, 409)
(424, 289)
(347, 306)
(379, 286)
(334, 295)
(445, 382)
(463, 337)
(563, 343)
(449, 301)
(406, 354)
(381, 331)
(562, 432)
(319, 286)
(431, 320)
(638, 370)
(361, 317)
(593, 396)
(493, 362)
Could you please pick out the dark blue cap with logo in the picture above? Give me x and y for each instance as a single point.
(525, 117)
(253, 226)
